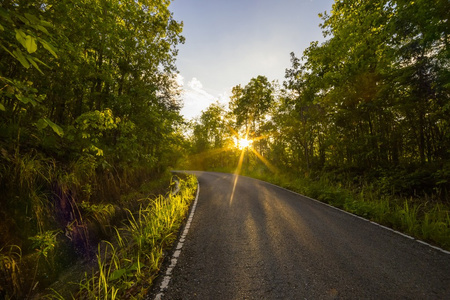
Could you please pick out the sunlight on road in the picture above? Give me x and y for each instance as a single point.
(236, 175)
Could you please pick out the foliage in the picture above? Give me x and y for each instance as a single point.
(89, 110)
(45, 242)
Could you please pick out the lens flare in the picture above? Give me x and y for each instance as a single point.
(243, 143)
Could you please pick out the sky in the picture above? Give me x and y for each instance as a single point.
(229, 42)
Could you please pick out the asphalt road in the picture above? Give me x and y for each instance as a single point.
(263, 242)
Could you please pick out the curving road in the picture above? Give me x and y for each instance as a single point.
(251, 240)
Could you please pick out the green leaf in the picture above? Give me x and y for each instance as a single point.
(21, 37)
(134, 267)
(117, 274)
(58, 130)
(23, 19)
(2, 107)
(21, 58)
(49, 48)
(35, 64)
(44, 122)
(30, 43)
(41, 124)
(2, 28)
(25, 100)
(42, 28)
(32, 18)
(47, 24)
(27, 41)
(40, 61)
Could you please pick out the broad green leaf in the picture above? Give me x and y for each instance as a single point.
(47, 24)
(30, 43)
(27, 41)
(1, 28)
(25, 100)
(23, 19)
(2, 107)
(44, 122)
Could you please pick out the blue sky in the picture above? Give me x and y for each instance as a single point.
(228, 42)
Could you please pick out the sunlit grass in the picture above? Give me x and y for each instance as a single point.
(137, 252)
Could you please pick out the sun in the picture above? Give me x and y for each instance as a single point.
(243, 143)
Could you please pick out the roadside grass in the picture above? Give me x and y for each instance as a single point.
(422, 218)
(127, 265)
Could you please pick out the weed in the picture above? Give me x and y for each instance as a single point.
(45, 242)
(11, 285)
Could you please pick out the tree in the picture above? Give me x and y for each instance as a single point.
(251, 104)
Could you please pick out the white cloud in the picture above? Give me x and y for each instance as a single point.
(195, 84)
(195, 99)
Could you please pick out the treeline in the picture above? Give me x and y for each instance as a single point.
(88, 108)
(369, 105)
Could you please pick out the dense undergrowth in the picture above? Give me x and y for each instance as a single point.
(120, 244)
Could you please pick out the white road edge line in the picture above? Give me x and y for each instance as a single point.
(176, 254)
(349, 213)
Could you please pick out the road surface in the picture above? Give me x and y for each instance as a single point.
(251, 240)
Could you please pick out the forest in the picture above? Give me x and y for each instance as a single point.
(90, 126)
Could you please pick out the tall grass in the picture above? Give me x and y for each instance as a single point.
(126, 266)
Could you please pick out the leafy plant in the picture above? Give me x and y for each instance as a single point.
(45, 243)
